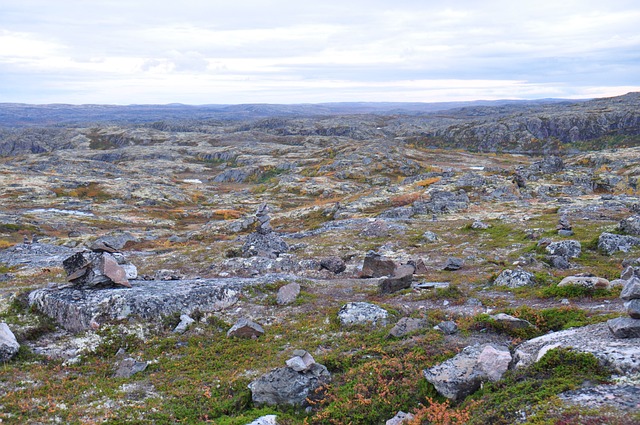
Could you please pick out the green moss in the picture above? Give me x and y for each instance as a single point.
(521, 390)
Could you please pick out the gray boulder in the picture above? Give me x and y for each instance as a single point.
(333, 264)
(129, 367)
(429, 236)
(633, 308)
(631, 225)
(448, 327)
(269, 245)
(566, 249)
(630, 272)
(245, 328)
(401, 279)
(376, 265)
(453, 264)
(98, 269)
(8, 344)
(407, 325)
(286, 387)
(463, 374)
(590, 282)
(611, 243)
(514, 278)
(511, 323)
(631, 290)
(361, 313)
(479, 225)
(443, 202)
(79, 310)
(185, 322)
(117, 240)
(624, 327)
(559, 262)
(288, 293)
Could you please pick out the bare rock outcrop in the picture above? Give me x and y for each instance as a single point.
(8, 344)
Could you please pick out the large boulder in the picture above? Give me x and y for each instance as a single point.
(589, 282)
(631, 225)
(401, 279)
(611, 243)
(463, 374)
(8, 344)
(376, 265)
(78, 309)
(245, 328)
(287, 387)
(625, 327)
(514, 278)
(566, 249)
(361, 313)
(622, 355)
(407, 325)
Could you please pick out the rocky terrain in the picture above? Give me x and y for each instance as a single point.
(321, 264)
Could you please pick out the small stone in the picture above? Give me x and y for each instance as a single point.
(265, 420)
(430, 237)
(566, 249)
(400, 418)
(514, 278)
(129, 367)
(509, 322)
(245, 328)
(407, 325)
(288, 293)
(361, 313)
(453, 264)
(301, 363)
(479, 225)
(565, 233)
(333, 264)
(447, 327)
(185, 321)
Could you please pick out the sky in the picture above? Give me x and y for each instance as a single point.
(293, 51)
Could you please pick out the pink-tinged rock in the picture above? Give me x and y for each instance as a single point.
(115, 272)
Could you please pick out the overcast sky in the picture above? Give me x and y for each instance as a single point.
(293, 51)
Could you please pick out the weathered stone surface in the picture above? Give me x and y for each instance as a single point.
(35, 255)
(407, 325)
(400, 418)
(631, 225)
(98, 270)
(630, 272)
(8, 345)
(453, 264)
(129, 367)
(376, 265)
(302, 361)
(245, 328)
(401, 279)
(185, 322)
(288, 293)
(479, 225)
(361, 313)
(430, 237)
(333, 264)
(76, 309)
(285, 386)
(265, 420)
(633, 308)
(621, 397)
(566, 249)
(591, 282)
(269, 245)
(625, 327)
(631, 291)
(559, 262)
(116, 241)
(611, 243)
(509, 322)
(622, 355)
(443, 202)
(514, 278)
(463, 374)
(448, 327)
(111, 269)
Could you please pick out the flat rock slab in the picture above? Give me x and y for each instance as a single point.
(78, 310)
(623, 355)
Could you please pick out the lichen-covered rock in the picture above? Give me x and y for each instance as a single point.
(463, 374)
(631, 290)
(631, 225)
(265, 420)
(361, 313)
(286, 387)
(407, 325)
(288, 293)
(443, 202)
(509, 322)
(611, 243)
(8, 344)
(400, 418)
(566, 249)
(514, 278)
(333, 264)
(589, 282)
(453, 264)
(79, 310)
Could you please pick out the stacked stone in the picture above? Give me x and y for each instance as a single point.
(564, 226)
(264, 242)
(628, 327)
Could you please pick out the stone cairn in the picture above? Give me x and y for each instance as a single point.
(101, 266)
(264, 242)
(628, 327)
(564, 226)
